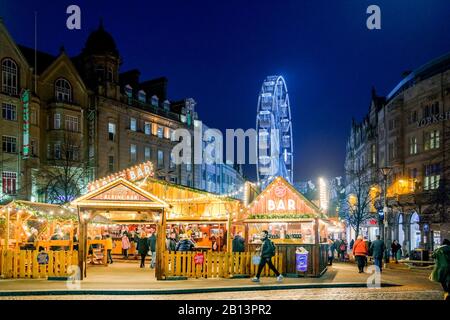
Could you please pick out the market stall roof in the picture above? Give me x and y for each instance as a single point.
(120, 194)
(40, 210)
(280, 200)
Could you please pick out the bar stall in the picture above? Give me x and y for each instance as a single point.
(295, 225)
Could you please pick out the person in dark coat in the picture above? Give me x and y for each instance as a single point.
(352, 242)
(152, 247)
(267, 252)
(171, 242)
(377, 249)
(441, 271)
(396, 248)
(143, 247)
(238, 243)
(185, 244)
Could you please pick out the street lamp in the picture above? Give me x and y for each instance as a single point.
(385, 172)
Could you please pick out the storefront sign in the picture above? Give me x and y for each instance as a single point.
(135, 173)
(120, 193)
(433, 119)
(280, 205)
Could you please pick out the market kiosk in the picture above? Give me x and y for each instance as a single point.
(294, 224)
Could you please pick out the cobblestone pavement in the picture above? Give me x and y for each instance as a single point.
(302, 294)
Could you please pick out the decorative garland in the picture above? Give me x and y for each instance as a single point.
(282, 216)
(56, 216)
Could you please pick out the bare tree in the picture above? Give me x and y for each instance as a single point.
(356, 205)
(66, 173)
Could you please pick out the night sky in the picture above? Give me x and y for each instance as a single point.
(219, 52)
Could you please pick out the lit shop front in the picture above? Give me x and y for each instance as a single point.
(294, 224)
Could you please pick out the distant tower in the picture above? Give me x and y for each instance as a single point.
(274, 126)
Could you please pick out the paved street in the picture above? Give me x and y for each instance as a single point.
(409, 284)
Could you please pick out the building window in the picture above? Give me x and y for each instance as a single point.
(391, 124)
(63, 91)
(57, 121)
(155, 101)
(133, 125)
(147, 128)
(166, 105)
(188, 167)
(171, 162)
(9, 182)
(147, 153)
(431, 140)
(129, 93)
(426, 111)
(373, 154)
(142, 96)
(133, 153)
(432, 176)
(9, 112)
(111, 131)
(34, 147)
(10, 76)
(413, 118)
(391, 151)
(57, 150)
(160, 132)
(435, 108)
(100, 72)
(110, 75)
(33, 116)
(160, 158)
(71, 123)
(9, 144)
(72, 153)
(167, 133)
(111, 164)
(412, 145)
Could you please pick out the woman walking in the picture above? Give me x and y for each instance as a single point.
(125, 245)
(360, 252)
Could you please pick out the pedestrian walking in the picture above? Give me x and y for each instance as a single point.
(396, 250)
(330, 252)
(143, 248)
(125, 245)
(342, 250)
(238, 244)
(377, 249)
(109, 247)
(441, 271)
(267, 252)
(352, 242)
(360, 252)
(152, 247)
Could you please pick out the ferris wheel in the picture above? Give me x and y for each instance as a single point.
(274, 127)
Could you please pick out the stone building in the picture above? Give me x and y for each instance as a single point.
(408, 133)
(84, 115)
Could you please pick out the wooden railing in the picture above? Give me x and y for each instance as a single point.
(34, 264)
(215, 265)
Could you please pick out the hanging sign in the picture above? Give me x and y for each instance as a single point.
(26, 123)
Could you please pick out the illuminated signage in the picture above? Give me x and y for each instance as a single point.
(26, 123)
(433, 119)
(277, 205)
(135, 173)
(120, 193)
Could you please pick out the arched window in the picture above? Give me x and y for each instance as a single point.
(10, 76)
(63, 90)
(155, 101)
(142, 96)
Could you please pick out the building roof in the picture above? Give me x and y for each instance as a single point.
(428, 70)
(100, 42)
(43, 59)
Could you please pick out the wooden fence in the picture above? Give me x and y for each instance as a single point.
(33, 264)
(215, 264)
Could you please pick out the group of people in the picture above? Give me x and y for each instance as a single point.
(144, 244)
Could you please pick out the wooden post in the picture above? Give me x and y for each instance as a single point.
(160, 246)
(316, 250)
(82, 245)
(229, 233)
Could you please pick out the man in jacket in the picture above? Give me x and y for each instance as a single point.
(441, 271)
(143, 247)
(360, 253)
(377, 249)
(152, 246)
(238, 243)
(267, 252)
(109, 247)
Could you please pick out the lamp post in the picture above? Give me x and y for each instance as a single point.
(385, 172)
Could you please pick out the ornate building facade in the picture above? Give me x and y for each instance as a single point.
(407, 133)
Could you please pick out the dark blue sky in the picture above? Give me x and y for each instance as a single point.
(219, 52)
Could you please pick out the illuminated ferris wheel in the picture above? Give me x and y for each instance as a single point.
(274, 127)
